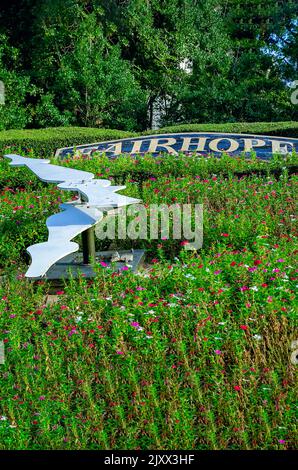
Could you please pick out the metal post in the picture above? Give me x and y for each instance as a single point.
(88, 242)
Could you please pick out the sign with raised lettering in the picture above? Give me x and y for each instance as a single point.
(189, 143)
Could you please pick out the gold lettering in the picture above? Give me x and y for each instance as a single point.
(187, 142)
(115, 148)
(87, 150)
(136, 148)
(214, 145)
(280, 146)
(154, 143)
(249, 144)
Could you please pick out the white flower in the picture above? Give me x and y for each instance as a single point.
(78, 318)
(257, 337)
(222, 323)
(255, 288)
(3, 418)
(189, 276)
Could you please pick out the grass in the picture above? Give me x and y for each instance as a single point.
(191, 353)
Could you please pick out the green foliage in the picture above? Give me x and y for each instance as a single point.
(13, 114)
(45, 142)
(46, 113)
(106, 63)
(91, 83)
(246, 81)
(280, 129)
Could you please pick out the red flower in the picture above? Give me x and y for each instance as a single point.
(233, 263)
(257, 262)
(243, 327)
(224, 234)
(237, 388)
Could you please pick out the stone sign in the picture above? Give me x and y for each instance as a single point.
(192, 142)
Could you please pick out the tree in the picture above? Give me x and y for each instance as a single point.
(84, 72)
(13, 112)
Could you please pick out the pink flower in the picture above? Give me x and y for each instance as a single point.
(119, 352)
(282, 441)
(72, 332)
(124, 268)
(244, 288)
(103, 264)
(217, 351)
(42, 397)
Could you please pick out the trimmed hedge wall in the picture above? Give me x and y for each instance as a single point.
(44, 142)
(279, 129)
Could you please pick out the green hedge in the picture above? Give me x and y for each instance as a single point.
(279, 129)
(44, 142)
